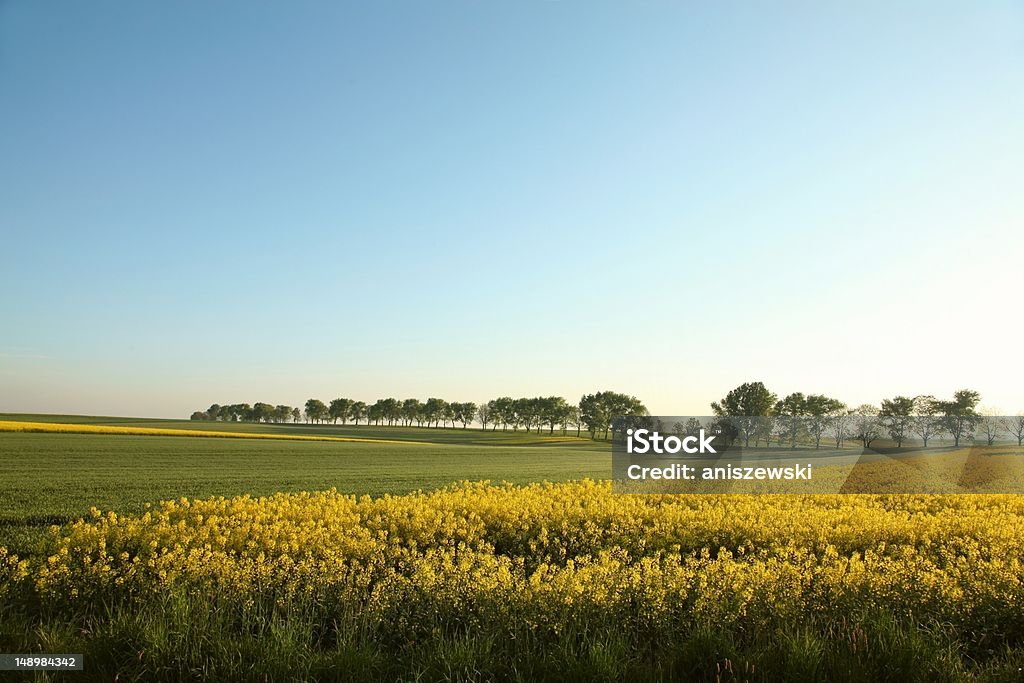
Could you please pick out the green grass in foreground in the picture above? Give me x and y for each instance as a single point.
(177, 637)
(55, 478)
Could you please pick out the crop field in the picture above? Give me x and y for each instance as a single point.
(277, 559)
(455, 437)
(55, 478)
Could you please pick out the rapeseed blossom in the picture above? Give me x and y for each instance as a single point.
(542, 554)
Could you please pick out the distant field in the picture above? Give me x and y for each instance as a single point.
(468, 436)
(55, 478)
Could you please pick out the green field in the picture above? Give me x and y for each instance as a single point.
(477, 583)
(56, 478)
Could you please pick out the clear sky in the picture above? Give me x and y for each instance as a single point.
(236, 201)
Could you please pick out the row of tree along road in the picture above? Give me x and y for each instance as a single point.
(594, 413)
(750, 414)
(753, 415)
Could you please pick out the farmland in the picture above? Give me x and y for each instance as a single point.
(426, 579)
(54, 478)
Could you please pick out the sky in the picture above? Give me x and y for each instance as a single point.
(237, 202)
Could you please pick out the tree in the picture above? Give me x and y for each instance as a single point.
(764, 428)
(553, 411)
(199, 415)
(820, 411)
(484, 414)
(338, 410)
(502, 412)
(1015, 425)
(791, 411)
(296, 415)
(692, 427)
(592, 412)
(598, 410)
(357, 411)
(448, 413)
(839, 423)
(571, 418)
(866, 424)
(925, 422)
(243, 411)
(433, 410)
(213, 412)
(454, 412)
(390, 410)
(991, 426)
(959, 416)
(897, 415)
(411, 409)
(262, 412)
(744, 405)
(525, 411)
(316, 410)
(465, 412)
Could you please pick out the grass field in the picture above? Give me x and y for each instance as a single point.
(54, 478)
(422, 580)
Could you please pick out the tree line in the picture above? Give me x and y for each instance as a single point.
(752, 413)
(594, 412)
(243, 412)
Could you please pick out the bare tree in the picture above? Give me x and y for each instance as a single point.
(991, 425)
(1015, 425)
(925, 423)
(839, 425)
(867, 426)
(990, 428)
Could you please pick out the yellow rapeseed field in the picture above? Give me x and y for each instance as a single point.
(545, 554)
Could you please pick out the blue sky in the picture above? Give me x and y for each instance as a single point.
(237, 201)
